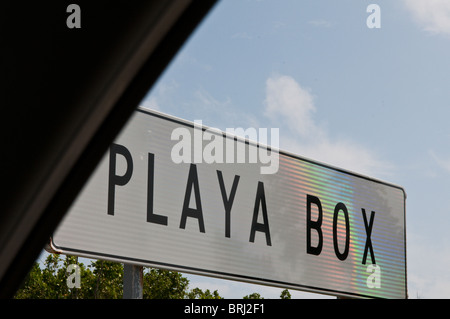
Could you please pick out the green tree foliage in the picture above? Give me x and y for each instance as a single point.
(103, 279)
(33, 286)
(197, 293)
(254, 295)
(164, 284)
(106, 281)
(50, 282)
(285, 294)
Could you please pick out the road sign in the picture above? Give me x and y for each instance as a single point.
(174, 195)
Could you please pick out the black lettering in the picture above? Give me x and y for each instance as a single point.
(260, 198)
(368, 227)
(341, 207)
(190, 212)
(227, 202)
(310, 224)
(151, 217)
(114, 179)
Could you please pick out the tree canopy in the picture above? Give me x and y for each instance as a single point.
(103, 279)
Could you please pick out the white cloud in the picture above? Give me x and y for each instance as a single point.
(286, 100)
(292, 106)
(443, 163)
(432, 15)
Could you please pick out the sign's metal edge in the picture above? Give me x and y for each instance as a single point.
(205, 272)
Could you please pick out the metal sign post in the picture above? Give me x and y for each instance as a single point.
(133, 281)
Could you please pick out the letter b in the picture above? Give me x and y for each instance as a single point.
(310, 224)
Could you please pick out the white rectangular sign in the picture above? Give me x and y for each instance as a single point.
(171, 195)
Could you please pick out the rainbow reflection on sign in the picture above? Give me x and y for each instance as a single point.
(333, 186)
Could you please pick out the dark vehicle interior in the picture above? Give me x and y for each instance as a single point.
(65, 94)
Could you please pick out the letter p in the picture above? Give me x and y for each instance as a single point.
(113, 178)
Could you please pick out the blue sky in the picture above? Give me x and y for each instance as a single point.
(374, 101)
